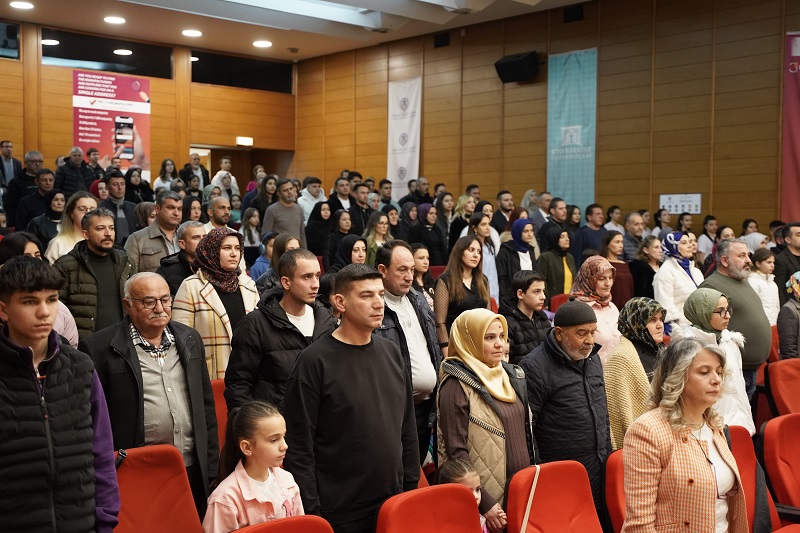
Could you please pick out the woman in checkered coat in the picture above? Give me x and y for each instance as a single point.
(680, 475)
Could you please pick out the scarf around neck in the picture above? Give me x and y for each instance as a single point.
(207, 258)
(516, 234)
(633, 319)
(584, 287)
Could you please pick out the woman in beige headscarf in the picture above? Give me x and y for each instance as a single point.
(483, 409)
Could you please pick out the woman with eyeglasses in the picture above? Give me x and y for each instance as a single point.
(376, 234)
(709, 313)
(217, 296)
(680, 474)
(70, 232)
(789, 320)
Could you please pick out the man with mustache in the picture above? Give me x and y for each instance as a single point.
(95, 274)
(156, 383)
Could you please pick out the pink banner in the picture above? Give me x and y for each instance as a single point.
(111, 112)
(790, 159)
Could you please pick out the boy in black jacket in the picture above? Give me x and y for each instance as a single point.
(527, 322)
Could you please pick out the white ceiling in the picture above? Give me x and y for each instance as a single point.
(312, 27)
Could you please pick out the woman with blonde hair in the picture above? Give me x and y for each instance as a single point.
(465, 206)
(376, 234)
(70, 232)
(679, 470)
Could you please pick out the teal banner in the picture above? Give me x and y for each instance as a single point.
(572, 125)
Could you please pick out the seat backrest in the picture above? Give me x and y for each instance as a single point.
(154, 491)
(781, 459)
(745, 455)
(448, 508)
(774, 349)
(557, 301)
(436, 270)
(295, 524)
(562, 501)
(615, 490)
(218, 386)
(423, 481)
(781, 379)
(321, 265)
(493, 303)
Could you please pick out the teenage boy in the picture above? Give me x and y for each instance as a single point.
(350, 390)
(527, 322)
(56, 454)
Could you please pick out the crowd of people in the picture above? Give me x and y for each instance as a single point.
(348, 364)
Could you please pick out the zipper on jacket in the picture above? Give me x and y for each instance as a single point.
(51, 456)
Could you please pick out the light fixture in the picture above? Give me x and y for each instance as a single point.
(21, 5)
(192, 33)
(115, 20)
(262, 44)
(195, 59)
(50, 42)
(123, 52)
(244, 141)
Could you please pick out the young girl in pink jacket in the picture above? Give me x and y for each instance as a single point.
(256, 489)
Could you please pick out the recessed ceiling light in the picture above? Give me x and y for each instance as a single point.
(21, 5)
(115, 20)
(192, 33)
(195, 58)
(122, 52)
(262, 44)
(50, 42)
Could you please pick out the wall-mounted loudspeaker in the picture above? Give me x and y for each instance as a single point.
(518, 67)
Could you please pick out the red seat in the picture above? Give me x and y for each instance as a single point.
(321, 266)
(557, 301)
(446, 508)
(155, 493)
(781, 459)
(745, 455)
(423, 481)
(562, 502)
(295, 524)
(218, 386)
(781, 379)
(436, 271)
(493, 303)
(615, 490)
(774, 349)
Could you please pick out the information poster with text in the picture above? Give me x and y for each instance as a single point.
(111, 112)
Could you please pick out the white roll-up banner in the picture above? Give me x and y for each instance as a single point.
(405, 110)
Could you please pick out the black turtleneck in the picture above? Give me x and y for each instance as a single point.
(109, 303)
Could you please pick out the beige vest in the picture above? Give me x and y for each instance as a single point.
(486, 441)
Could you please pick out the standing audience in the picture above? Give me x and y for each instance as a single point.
(677, 278)
(593, 286)
(527, 322)
(762, 280)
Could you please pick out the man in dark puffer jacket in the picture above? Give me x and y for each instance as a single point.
(56, 450)
(266, 343)
(567, 395)
(527, 323)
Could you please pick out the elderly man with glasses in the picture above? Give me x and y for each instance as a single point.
(156, 382)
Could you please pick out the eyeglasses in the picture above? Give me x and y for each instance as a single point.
(723, 312)
(84, 209)
(150, 303)
(36, 161)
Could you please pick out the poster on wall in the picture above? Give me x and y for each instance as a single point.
(111, 112)
(571, 125)
(790, 151)
(402, 161)
(681, 203)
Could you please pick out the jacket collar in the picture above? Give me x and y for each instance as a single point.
(554, 349)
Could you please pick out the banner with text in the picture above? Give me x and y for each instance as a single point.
(402, 161)
(111, 112)
(571, 125)
(790, 158)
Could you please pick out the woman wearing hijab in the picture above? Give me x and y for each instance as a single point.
(593, 286)
(789, 320)
(556, 264)
(709, 312)
(408, 217)
(136, 189)
(480, 398)
(318, 227)
(755, 241)
(630, 368)
(46, 226)
(515, 255)
(215, 299)
(352, 249)
(394, 217)
(426, 231)
(677, 278)
(339, 229)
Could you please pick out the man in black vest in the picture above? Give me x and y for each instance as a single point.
(155, 375)
(788, 261)
(56, 454)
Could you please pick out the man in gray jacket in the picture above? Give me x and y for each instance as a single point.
(149, 245)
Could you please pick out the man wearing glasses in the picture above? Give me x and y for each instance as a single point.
(95, 274)
(156, 382)
(23, 185)
(748, 318)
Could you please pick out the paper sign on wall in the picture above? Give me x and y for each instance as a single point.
(681, 203)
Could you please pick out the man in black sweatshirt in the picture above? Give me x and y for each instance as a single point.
(349, 410)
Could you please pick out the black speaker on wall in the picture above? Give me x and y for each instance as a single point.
(518, 67)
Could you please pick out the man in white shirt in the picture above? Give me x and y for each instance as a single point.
(311, 195)
(408, 322)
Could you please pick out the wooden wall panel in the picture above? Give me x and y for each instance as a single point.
(11, 104)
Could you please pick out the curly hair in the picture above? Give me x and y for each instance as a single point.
(670, 378)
